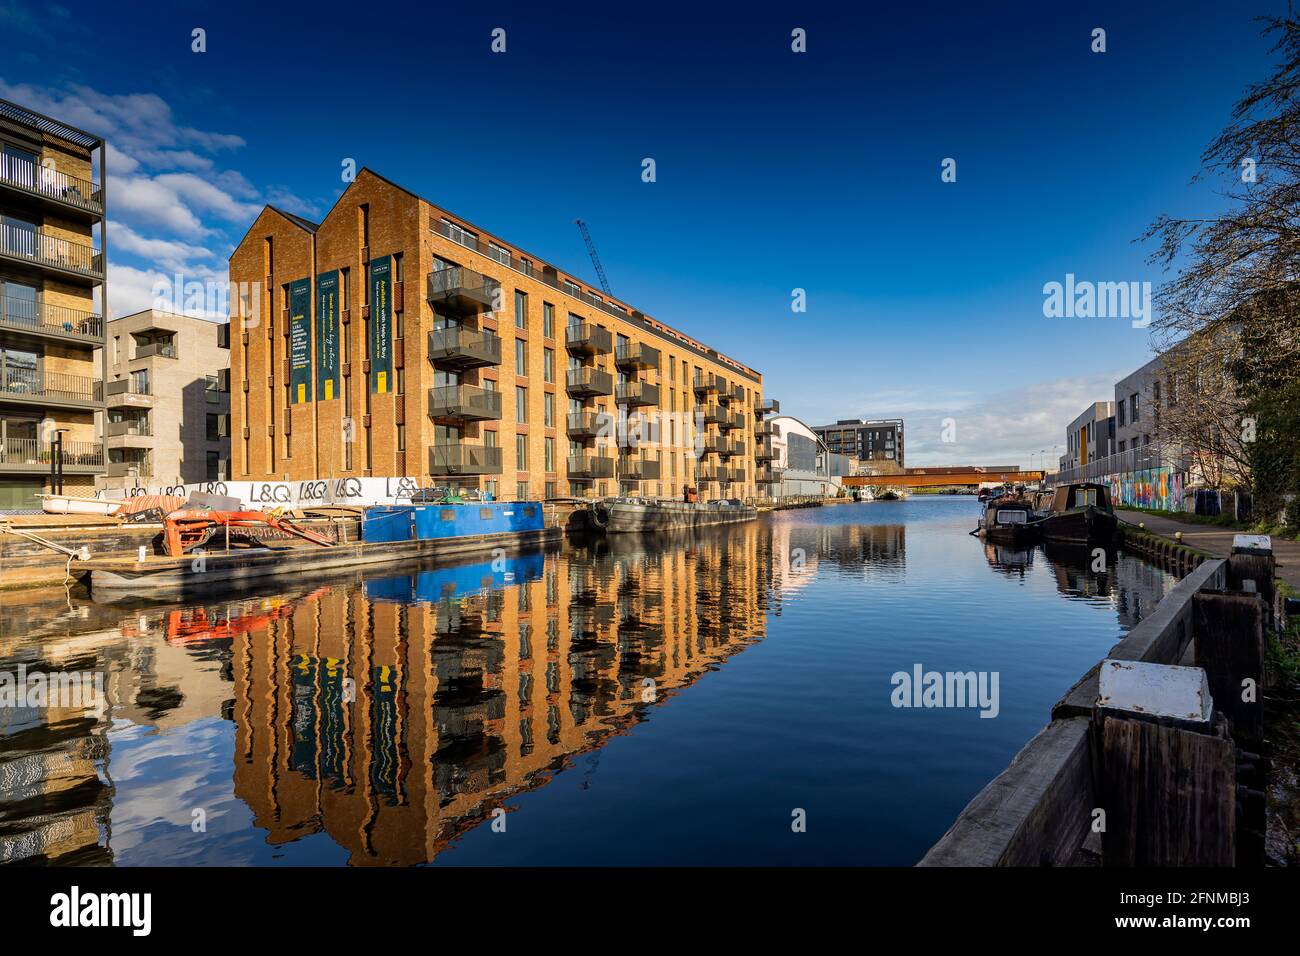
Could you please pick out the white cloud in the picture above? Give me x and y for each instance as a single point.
(168, 254)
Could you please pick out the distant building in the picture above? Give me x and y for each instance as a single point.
(868, 441)
(52, 292)
(1136, 397)
(1090, 436)
(168, 397)
(803, 464)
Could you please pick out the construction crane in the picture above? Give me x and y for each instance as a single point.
(595, 259)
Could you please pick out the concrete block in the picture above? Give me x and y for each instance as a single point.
(1160, 691)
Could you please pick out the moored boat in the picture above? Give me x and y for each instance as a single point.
(1080, 513)
(77, 505)
(622, 515)
(1011, 521)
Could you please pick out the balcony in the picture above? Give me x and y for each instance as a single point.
(129, 433)
(714, 414)
(121, 393)
(768, 407)
(467, 403)
(764, 429)
(156, 349)
(586, 425)
(38, 318)
(636, 355)
(711, 473)
(732, 448)
(637, 393)
(51, 186)
(33, 455)
(588, 467)
(129, 469)
(462, 459)
(462, 348)
(707, 383)
(765, 476)
(731, 420)
(30, 245)
(714, 445)
(638, 469)
(737, 392)
(31, 386)
(588, 381)
(587, 339)
(461, 291)
(763, 450)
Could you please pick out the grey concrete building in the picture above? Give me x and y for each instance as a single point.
(168, 397)
(871, 441)
(1090, 437)
(1136, 397)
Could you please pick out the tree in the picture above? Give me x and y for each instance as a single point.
(1235, 295)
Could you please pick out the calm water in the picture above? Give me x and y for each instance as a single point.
(629, 702)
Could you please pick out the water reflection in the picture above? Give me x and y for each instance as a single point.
(376, 721)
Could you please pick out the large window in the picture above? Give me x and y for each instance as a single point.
(548, 320)
(521, 404)
(521, 357)
(521, 310)
(548, 366)
(521, 452)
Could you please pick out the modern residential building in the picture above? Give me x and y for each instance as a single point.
(1137, 395)
(52, 291)
(394, 339)
(873, 442)
(167, 392)
(802, 464)
(1090, 436)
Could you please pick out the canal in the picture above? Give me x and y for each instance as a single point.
(723, 698)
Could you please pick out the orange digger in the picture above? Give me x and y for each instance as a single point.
(183, 531)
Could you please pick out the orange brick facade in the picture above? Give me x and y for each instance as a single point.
(501, 366)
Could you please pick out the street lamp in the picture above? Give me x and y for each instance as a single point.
(56, 461)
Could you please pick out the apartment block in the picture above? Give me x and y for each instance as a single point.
(874, 441)
(395, 339)
(52, 290)
(1091, 436)
(167, 392)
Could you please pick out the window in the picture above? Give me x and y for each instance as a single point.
(214, 427)
(550, 489)
(521, 310)
(1133, 409)
(140, 382)
(521, 404)
(1121, 411)
(548, 366)
(548, 320)
(521, 452)
(521, 491)
(521, 357)
(214, 466)
(212, 389)
(489, 439)
(550, 454)
(548, 410)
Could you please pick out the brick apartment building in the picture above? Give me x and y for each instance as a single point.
(51, 300)
(395, 339)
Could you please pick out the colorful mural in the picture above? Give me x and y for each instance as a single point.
(1149, 488)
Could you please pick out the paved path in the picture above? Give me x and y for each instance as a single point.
(1218, 541)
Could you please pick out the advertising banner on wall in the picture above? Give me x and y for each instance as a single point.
(327, 335)
(381, 324)
(300, 387)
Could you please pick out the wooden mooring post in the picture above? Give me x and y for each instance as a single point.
(1167, 766)
(1228, 635)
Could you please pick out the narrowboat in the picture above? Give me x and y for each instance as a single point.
(1080, 513)
(1010, 521)
(624, 515)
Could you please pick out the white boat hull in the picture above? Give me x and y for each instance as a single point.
(77, 505)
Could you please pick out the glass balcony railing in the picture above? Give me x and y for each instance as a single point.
(36, 316)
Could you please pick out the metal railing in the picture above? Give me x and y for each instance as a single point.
(588, 337)
(32, 383)
(461, 346)
(139, 428)
(460, 458)
(1131, 459)
(590, 466)
(37, 316)
(160, 349)
(33, 451)
(464, 401)
(637, 393)
(41, 180)
(37, 245)
(637, 354)
(589, 380)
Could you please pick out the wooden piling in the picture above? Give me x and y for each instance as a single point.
(1228, 635)
(1169, 795)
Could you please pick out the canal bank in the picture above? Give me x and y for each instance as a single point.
(631, 699)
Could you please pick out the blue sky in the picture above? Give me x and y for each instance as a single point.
(775, 170)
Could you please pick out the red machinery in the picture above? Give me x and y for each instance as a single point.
(184, 531)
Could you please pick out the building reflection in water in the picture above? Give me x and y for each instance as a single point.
(396, 716)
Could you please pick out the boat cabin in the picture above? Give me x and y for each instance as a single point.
(1081, 495)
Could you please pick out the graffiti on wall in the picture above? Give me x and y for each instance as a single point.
(1149, 488)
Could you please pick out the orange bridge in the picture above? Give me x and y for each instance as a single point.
(968, 476)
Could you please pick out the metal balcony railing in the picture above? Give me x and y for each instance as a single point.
(464, 348)
(589, 381)
(34, 452)
(140, 429)
(590, 466)
(589, 424)
(768, 406)
(707, 383)
(31, 383)
(463, 291)
(638, 469)
(637, 393)
(464, 402)
(587, 339)
(636, 355)
(159, 349)
(459, 458)
(50, 183)
(38, 246)
(36, 316)
(1142, 458)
